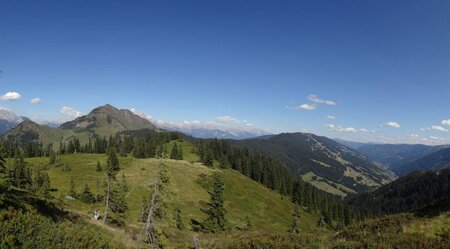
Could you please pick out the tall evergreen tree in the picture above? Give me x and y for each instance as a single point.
(216, 220)
(41, 183)
(112, 168)
(174, 152)
(180, 152)
(52, 157)
(72, 192)
(4, 180)
(21, 174)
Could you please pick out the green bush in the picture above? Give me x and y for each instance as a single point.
(28, 229)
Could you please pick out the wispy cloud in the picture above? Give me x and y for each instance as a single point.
(70, 112)
(331, 117)
(391, 124)
(307, 107)
(36, 101)
(367, 130)
(141, 114)
(11, 96)
(228, 119)
(332, 127)
(314, 98)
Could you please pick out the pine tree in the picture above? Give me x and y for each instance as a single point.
(21, 174)
(99, 167)
(123, 148)
(174, 153)
(208, 161)
(4, 180)
(52, 157)
(118, 202)
(180, 152)
(72, 192)
(41, 183)
(216, 220)
(112, 168)
(86, 195)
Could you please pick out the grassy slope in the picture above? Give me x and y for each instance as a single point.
(267, 210)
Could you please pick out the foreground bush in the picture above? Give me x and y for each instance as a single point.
(28, 229)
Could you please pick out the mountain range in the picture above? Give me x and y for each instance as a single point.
(212, 130)
(397, 157)
(327, 164)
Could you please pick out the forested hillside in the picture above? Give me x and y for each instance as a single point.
(406, 194)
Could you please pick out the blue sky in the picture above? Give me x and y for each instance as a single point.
(260, 61)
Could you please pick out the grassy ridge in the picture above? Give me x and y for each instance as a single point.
(267, 210)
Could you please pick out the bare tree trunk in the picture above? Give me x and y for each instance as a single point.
(107, 200)
(149, 229)
(196, 244)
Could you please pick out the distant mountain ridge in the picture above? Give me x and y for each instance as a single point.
(213, 131)
(109, 116)
(395, 156)
(434, 161)
(8, 120)
(322, 161)
(103, 121)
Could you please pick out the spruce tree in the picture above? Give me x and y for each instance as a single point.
(21, 174)
(216, 220)
(112, 168)
(41, 183)
(86, 195)
(72, 192)
(52, 157)
(118, 202)
(180, 152)
(4, 180)
(174, 153)
(99, 167)
(208, 159)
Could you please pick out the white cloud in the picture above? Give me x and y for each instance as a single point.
(141, 114)
(436, 138)
(338, 128)
(11, 96)
(36, 101)
(306, 107)
(228, 119)
(392, 124)
(366, 130)
(70, 113)
(446, 122)
(438, 128)
(413, 135)
(316, 99)
(331, 117)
